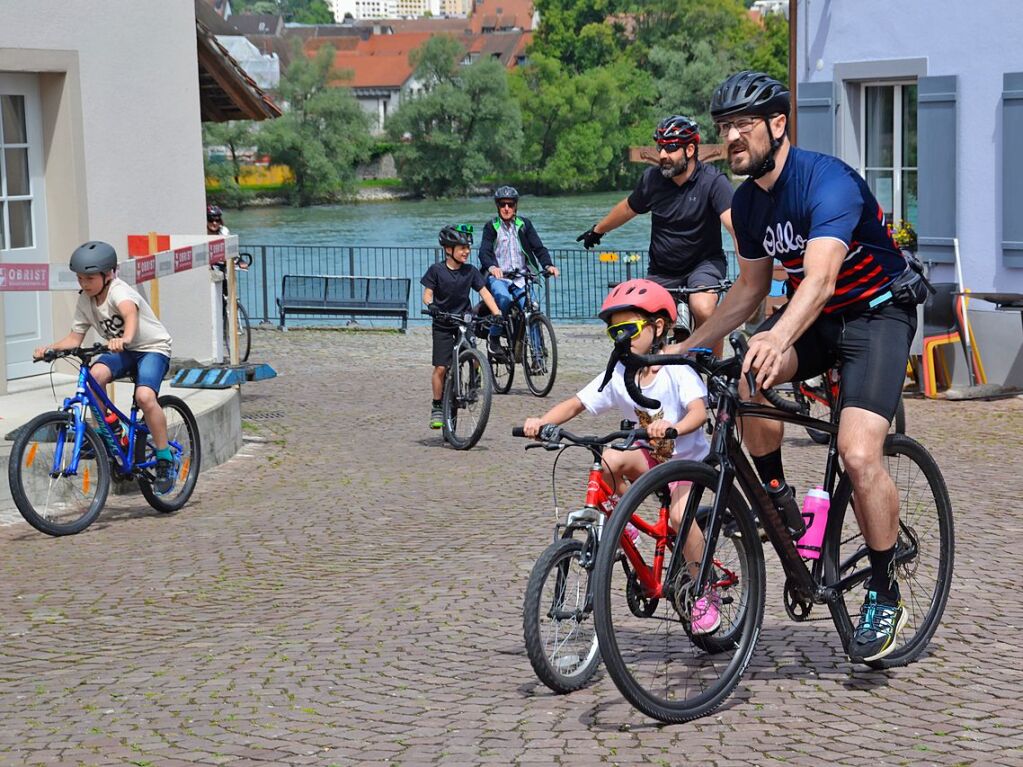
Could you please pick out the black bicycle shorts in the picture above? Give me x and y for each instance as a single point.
(704, 274)
(444, 340)
(870, 348)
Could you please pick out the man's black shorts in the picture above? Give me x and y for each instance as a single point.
(871, 349)
(702, 275)
(444, 340)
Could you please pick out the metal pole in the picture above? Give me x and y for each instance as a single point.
(232, 311)
(793, 50)
(266, 296)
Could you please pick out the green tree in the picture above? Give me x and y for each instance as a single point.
(234, 136)
(689, 71)
(570, 30)
(467, 126)
(436, 61)
(324, 134)
(298, 11)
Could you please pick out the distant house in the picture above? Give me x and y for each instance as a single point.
(931, 114)
(103, 123)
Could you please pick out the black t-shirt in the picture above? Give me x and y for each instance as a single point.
(451, 287)
(685, 220)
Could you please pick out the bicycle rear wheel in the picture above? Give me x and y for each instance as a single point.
(557, 618)
(646, 639)
(244, 334)
(51, 502)
(466, 410)
(925, 550)
(539, 355)
(183, 438)
(502, 367)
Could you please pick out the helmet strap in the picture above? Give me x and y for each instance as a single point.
(768, 164)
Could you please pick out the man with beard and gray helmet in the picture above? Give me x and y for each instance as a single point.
(688, 202)
(853, 305)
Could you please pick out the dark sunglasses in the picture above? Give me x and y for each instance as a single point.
(670, 147)
(507, 204)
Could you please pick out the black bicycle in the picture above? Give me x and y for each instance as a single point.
(656, 661)
(468, 387)
(242, 261)
(528, 339)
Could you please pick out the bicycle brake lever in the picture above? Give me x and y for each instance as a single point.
(741, 346)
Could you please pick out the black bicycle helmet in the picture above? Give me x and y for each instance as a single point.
(677, 129)
(214, 213)
(506, 193)
(459, 234)
(93, 258)
(749, 93)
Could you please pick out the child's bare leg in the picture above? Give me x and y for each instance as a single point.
(622, 467)
(692, 547)
(437, 381)
(155, 419)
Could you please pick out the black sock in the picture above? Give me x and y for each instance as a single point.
(769, 466)
(882, 575)
(438, 403)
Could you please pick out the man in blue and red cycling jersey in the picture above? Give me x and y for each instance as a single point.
(818, 217)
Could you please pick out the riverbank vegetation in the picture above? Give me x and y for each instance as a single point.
(599, 75)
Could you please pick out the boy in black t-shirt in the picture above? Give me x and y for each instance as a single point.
(446, 287)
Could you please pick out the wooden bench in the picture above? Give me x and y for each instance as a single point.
(338, 294)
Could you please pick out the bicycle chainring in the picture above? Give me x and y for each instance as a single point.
(797, 605)
(641, 606)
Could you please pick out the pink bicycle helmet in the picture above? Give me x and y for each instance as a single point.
(645, 295)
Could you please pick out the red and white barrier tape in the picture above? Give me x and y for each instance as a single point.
(134, 271)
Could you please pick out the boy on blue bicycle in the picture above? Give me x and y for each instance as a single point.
(139, 343)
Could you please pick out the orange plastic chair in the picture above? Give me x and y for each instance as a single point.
(943, 323)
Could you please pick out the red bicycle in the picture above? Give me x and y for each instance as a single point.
(557, 613)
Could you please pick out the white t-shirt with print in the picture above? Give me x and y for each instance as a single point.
(151, 335)
(675, 386)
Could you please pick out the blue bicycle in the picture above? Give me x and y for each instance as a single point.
(62, 462)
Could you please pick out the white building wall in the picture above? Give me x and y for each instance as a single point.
(121, 92)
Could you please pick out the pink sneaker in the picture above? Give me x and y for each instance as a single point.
(706, 614)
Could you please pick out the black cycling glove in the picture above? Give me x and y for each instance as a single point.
(431, 309)
(589, 238)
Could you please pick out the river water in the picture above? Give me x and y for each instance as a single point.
(399, 238)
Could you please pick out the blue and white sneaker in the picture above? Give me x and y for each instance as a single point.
(879, 625)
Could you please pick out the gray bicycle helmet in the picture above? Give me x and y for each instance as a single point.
(93, 257)
(459, 234)
(749, 93)
(506, 193)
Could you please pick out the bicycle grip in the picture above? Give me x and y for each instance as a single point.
(518, 431)
(671, 433)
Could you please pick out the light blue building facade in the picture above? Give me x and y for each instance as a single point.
(925, 99)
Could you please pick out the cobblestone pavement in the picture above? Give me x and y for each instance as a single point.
(349, 590)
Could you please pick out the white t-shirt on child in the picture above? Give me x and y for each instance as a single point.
(151, 335)
(675, 386)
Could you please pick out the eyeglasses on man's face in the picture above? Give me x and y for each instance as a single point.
(742, 124)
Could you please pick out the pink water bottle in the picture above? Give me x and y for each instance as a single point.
(815, 515)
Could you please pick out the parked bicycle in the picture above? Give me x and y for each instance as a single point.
(61, 464)
(242, 261)
(657, 663)
(528, 339)
(468, 387)
(557, 612)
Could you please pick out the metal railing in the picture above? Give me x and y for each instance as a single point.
(575, 295)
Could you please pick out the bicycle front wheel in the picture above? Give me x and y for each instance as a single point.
(924, 556)
(467, 406)
(183, 440)
(557, 618)
(540, 355)
(676, 651)
(50, 500)
(502, 367)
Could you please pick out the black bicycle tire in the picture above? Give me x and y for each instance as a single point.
(159, 502)
(486, 394)
(17, 485)
(531, 630)
(552, 356)
(679, 710)
(506, 364)
(898, 444)
(244, 333)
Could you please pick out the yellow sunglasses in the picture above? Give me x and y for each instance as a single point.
(628, 329)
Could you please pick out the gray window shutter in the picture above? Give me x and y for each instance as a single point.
(815, 127)
(1012, 169)
(936, 157)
